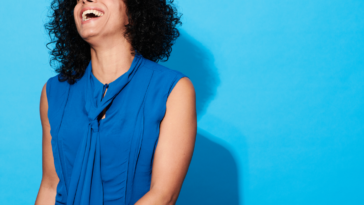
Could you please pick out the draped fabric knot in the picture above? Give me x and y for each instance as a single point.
(95, 125)
(86, 184)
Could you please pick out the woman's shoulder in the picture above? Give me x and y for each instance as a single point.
(165, 79)
(163, 71)
(55, 87)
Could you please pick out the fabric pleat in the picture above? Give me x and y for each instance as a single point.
(85, 186)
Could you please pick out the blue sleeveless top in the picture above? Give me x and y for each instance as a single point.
(107, 161)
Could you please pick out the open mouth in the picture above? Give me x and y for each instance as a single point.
(91, 14)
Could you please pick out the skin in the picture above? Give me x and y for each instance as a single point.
(48, 187)
(110, 56)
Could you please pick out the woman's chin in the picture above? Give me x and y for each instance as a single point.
(89, 30)
(90, 35)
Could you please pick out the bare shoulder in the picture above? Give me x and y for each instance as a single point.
(185, 84)
(181, 104)
(183, 91)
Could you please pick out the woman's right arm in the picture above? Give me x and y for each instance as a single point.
(48, 187)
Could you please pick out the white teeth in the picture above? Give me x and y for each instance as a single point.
(95, 12)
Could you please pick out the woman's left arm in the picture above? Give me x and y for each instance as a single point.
(175, 146)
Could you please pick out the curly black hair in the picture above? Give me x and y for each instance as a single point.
(151, 31)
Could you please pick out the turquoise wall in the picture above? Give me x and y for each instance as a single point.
(280, 99)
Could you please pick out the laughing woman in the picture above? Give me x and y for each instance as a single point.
(118, 128)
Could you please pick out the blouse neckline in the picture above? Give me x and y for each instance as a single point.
(128, 72)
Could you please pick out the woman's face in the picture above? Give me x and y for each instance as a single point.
(96, 19)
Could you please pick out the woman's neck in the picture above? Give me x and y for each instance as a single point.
(110, 61)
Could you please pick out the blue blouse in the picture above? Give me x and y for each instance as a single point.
(107, 161)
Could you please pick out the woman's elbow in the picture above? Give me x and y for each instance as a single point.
(163, 197)
(49, 182)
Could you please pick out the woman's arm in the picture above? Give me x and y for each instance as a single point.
(48, 187)
(175, 147)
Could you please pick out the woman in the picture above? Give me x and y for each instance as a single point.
(118, 128)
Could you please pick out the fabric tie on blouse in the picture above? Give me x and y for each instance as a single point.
(85, 186)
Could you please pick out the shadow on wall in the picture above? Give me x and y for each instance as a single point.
(195, 61)
(212, 177)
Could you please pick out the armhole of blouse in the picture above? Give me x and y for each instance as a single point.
(178, 77)
(48, 88)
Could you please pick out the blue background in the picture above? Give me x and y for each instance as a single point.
(280, 90)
